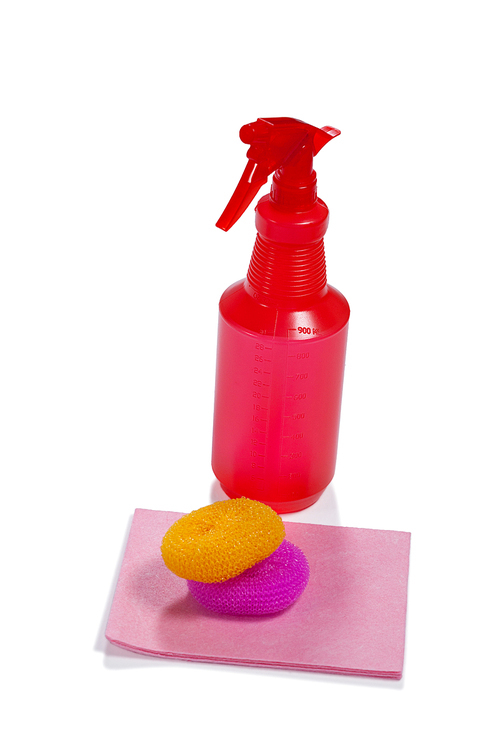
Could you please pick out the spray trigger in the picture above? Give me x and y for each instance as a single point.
(281, 144)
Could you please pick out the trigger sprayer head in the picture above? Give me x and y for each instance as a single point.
(285, 146)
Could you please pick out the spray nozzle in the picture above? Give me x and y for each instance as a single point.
(285, 146)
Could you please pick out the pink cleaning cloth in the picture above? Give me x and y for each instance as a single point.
(349, 620)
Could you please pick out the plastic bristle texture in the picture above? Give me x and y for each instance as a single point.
(269, 586)
(222, 540)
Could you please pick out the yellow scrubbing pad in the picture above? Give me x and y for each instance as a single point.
(222, 540)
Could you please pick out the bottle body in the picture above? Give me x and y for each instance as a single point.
(278, 395)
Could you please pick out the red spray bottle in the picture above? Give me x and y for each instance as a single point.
(282, 331)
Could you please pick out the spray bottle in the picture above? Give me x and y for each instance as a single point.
(282, 331)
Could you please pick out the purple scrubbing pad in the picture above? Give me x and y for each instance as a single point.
(269, 586)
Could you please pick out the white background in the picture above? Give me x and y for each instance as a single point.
(118, 151)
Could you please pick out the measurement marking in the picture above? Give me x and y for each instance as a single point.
(264, 408)
(266, 372)
(263, 432)
(291, 376)
(264, 396)
(270, 347)
(266, 385)
(261, 455)
(268, 360)
(292, 329)
(261, 443)
(260, 467)
(291, 355)
(288, 396)
(285, 456)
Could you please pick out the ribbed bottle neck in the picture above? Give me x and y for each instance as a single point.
(282, 271)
